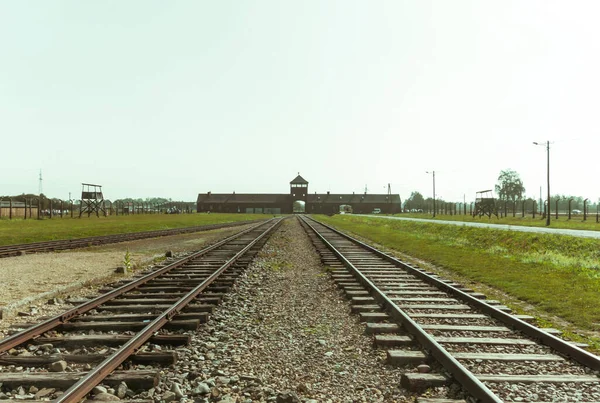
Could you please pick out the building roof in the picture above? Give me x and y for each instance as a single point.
(267, 198)
(299, 180)
(15, 204)
(353, 198)
(241, 198)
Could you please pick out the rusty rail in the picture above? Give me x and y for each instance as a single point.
(458, 371)
(25, 335)
(578, 354)
(80, 389)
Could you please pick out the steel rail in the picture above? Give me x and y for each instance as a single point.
(576, 353)
(81, 388)
(22, 336)
(62, 244)
(462, 375)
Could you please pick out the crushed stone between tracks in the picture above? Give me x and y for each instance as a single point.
(284, 333)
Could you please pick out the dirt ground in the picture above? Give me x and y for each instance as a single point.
(29, 278)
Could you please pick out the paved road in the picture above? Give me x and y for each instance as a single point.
(544, 230)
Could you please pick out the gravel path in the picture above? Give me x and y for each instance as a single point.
(286, 335)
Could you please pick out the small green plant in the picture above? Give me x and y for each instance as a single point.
(127, 264)
(279, 266)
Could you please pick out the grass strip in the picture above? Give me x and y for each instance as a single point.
(559, 274)
(25, 231)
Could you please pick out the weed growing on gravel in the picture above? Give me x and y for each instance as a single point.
(279, 266)
(127, 264)
(318, 330)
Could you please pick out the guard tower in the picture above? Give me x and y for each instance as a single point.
(485, 204)
(299, 194)
(92, 200)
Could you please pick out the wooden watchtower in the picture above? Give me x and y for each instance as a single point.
(485, 204)
(92, 200)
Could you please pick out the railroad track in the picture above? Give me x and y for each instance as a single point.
(427, 323)
(49, 246)
(137, 323)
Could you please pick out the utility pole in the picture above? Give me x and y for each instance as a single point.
(433, 172)
(40, 187)
(547, 178)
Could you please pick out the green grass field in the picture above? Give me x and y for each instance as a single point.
(558, 274)
(576, 221)
(24, 231)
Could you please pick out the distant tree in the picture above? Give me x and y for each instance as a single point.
(510, 186)
(415, 201)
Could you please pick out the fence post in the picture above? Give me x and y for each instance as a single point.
(570, 200)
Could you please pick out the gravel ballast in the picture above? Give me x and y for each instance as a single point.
(284, 334)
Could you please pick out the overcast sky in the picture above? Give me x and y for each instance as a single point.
(172, 99)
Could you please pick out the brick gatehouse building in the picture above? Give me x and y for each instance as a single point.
(298, 200)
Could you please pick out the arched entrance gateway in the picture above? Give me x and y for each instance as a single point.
(345, 209)
(299, 207)
(298, 200)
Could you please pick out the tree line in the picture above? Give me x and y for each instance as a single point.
(509, 188)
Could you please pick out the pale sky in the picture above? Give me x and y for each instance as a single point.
(172, 99)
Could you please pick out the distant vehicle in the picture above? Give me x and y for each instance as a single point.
(576, 211)
(376, 211)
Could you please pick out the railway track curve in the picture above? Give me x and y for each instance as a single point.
(102, 340)
(426, 323)
(64, 244)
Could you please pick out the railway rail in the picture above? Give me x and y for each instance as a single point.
(421, 319)
(49, 246)
(127, 325)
